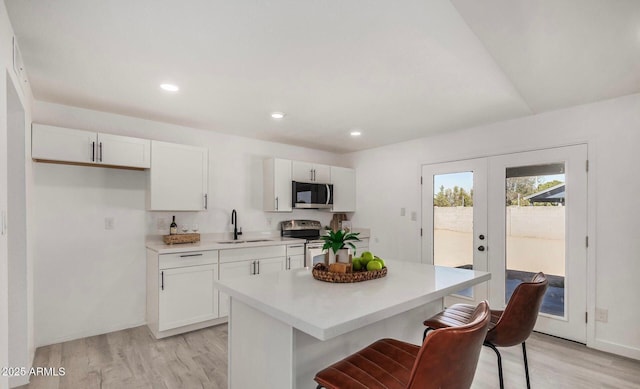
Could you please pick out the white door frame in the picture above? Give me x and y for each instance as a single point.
(494, 232)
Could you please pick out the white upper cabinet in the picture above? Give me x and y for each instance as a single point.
(59, 144)
(178, 180)
(344, 189)
(119, 150)
(62, 144)
(311, 172)
(277, 185)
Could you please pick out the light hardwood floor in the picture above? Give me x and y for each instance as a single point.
(134, 359)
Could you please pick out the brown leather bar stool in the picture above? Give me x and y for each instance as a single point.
(447, 359)
(509, 327)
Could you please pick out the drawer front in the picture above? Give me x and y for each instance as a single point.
(189, 258)
(295, 249)
(250, 253)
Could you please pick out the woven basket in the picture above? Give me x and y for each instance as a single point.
(320, 273)
(181, 238)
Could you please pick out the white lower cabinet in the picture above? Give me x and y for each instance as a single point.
(187, 296)
(295, 262)
(295, 256)
(244, 262)
(270, 265)
(181, 295)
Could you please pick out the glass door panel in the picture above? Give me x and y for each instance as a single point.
(538, 222)
(453, 222)
(535, 230)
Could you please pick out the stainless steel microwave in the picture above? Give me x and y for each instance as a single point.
(310, 195)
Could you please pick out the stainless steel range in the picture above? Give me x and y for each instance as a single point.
(309, 230)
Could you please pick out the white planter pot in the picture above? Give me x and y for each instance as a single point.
(342, 256)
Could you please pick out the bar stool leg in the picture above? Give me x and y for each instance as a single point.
(526, 365)
(491, 346)
(424, 336)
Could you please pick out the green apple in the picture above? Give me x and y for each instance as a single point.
(374, 265)
(357, 264)
(378, 259)
(367, 255)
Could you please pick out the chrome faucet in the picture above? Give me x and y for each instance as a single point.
(234, 221)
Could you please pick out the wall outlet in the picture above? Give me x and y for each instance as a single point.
(109, 223)
(602, 315)
(403, 211)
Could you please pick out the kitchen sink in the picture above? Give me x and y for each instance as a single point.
(244, 241)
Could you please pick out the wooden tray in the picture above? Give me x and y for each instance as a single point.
(320, 272)
(181, 238)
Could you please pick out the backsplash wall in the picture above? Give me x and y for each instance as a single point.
(89, 280)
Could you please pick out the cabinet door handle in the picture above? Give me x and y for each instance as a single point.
(276, 203)
(93, 151)
(289, 263)
(206, 201)
(258, 262)
(253, 267)
(162, 282)
(100, 151)
(295, 246)
(191, 255)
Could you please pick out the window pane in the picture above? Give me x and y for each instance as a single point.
(453, 222)
(535, 230)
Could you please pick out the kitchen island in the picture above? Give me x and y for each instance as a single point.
(286, 326)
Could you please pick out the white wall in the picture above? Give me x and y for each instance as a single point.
(16, 319)
(89, 280)
(389, 178)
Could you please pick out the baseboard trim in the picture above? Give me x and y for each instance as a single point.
(615, 348)
(87, 334)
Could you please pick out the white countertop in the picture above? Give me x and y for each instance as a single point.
(162, 248)
(214, 242)
(325, 310)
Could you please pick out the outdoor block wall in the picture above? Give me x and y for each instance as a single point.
(534, 238)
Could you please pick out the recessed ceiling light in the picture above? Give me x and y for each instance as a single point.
(356, 133)
(169, 87)
(278, 115)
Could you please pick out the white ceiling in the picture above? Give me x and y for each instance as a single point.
(396, 70)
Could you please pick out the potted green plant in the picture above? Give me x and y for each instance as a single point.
(335, 241)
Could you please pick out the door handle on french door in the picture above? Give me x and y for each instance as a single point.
(481, 248)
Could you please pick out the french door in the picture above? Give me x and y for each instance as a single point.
(531, 209)
(454, 201)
